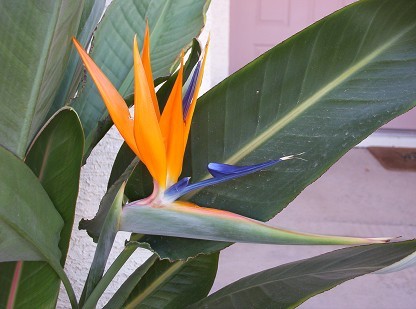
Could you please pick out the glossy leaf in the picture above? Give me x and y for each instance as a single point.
(172, 24)
(174, 284)
(190, 221)
(289, 285)
(25, 234)
(60, 140)
(301, 96)
(91, 14)
(34, 48)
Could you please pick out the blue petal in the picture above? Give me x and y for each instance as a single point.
(189, 94)
(178, 187)
(221, 170)
(221, 173)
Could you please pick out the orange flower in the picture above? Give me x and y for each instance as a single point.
(159, 140)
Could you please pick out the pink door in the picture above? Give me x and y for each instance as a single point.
(258, 25)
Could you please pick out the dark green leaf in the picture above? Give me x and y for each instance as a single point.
(34, 48)
(30, 224)
(61, 140)
(174, 284)
(289, 285)
(24, 232)
(320, 92)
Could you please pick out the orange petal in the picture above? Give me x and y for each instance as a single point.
(190, 114)
(172, 127)
(114, 102)
(147, 132)
(148, 70)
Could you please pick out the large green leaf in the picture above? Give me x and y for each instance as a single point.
(91, 14)
(289, 285)
(24, 232)
(172, 25)
(61, 140)
(34, 48)
(320, 92)
(173, 284)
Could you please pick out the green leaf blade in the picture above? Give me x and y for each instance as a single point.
(304, 97)
(289, 285)
(320, 92)
(60, 140)
(174, 285)
(32, 65)
(25, 234)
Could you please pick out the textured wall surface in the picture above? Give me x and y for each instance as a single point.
(95, 173)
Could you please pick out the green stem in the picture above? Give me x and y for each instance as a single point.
(119, 298)
(67, 284)
(102, 285)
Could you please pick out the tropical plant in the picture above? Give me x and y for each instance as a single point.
(300, 96)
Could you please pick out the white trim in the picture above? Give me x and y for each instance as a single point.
(390, 138)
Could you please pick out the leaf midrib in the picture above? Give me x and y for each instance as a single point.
(37, 82)
(312, 100)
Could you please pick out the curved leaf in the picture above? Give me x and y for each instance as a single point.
(60, 140)
(172, 25)
(173, 285)
(24, 232)
(34, 48)
(302, 96)
(289, 285)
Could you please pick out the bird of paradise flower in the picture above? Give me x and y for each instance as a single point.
(159, 141)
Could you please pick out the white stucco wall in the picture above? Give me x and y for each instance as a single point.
(94, 175)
